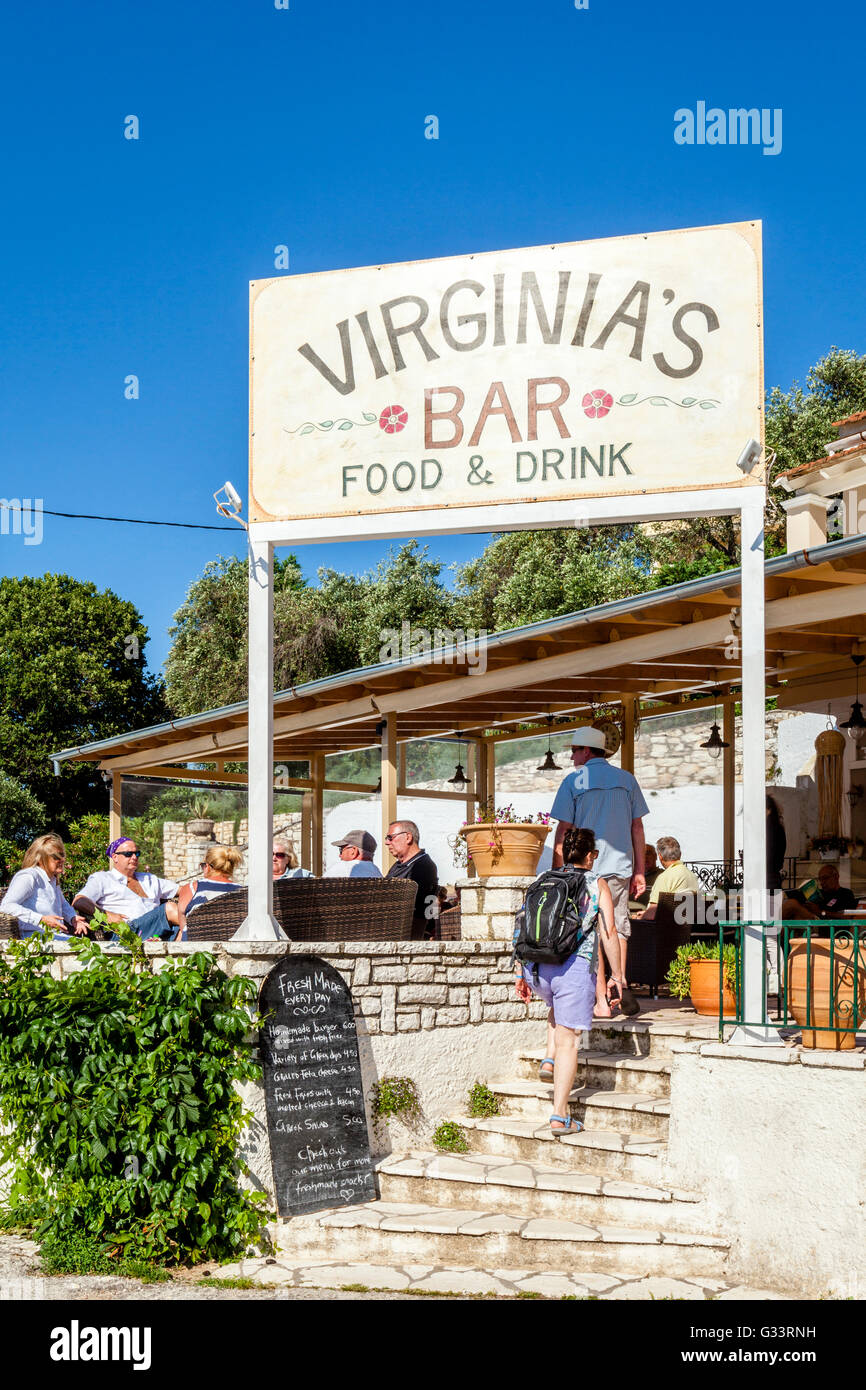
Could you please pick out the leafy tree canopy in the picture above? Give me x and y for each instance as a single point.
(72, 669)
(22, 818)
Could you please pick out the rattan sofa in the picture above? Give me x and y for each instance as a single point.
(318, 909)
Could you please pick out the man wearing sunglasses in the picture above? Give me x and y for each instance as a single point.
(415, 863)
(126, 895)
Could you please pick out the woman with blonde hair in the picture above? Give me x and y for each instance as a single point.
(220, 863)
(285, 861)
(35, 897)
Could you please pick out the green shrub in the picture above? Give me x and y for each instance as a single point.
(118, 1109)
(395, 1095)
(450, 1137)
(482, 1102)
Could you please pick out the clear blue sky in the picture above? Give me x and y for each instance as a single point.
(306, 127)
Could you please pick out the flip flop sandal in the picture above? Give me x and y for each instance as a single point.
(569, 1124)
(544, 1075)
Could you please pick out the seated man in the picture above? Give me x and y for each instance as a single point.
(651, 873)
(411, 861)
(356, 848)
(674, 878)
(813, 902)
(125, 895)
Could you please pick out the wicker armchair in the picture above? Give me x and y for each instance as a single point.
(318, 909)
(8, 926)
(653, 945)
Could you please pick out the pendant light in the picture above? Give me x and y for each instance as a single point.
(855, 724)
(458, 781)
(549, 764)
(715, 743)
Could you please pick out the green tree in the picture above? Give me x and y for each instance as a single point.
(527, 576)
(72, 670)
(799, 423)
(22, 818)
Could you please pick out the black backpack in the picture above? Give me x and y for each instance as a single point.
(548, 928)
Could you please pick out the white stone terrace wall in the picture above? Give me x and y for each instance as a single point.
(774, 1139)
(441, 1012)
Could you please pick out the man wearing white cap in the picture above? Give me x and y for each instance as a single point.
(608, 801)
(356, 857)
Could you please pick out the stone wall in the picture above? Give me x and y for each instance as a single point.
(487, 907)
(441, 1012)
(665, 755)
(184, 852)
(773, 1138)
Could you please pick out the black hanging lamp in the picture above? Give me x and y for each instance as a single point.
(549, 764)
(855, 724)
(458, 781)
(715, 743)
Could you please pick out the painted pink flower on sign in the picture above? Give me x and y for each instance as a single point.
(393, 419)
(597, 404)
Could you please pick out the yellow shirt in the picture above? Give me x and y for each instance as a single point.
(676, 878)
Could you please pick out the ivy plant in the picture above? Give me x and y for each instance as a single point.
(119, 1114)
(450, 1137)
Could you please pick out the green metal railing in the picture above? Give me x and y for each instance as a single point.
(832, 959)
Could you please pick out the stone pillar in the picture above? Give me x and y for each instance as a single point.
(488, 905)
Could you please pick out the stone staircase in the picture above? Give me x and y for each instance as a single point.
(523, 1198)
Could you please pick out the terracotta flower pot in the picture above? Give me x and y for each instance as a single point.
(704, 989)
(505, 850)
(833, 1002)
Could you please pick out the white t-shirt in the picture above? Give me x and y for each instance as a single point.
(110, 890)
(352, 868)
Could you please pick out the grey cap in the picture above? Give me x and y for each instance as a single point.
(361, 839)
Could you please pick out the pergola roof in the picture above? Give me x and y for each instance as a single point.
(664, 647)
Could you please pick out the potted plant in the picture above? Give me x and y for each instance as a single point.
(694, 971)
(501, 843)
(829, 847)
(201, 823)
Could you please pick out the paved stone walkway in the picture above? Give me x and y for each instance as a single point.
(271, 1279)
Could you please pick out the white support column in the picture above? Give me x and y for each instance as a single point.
(114, 806)
(260, 922)
(752, 639)
(388, 773)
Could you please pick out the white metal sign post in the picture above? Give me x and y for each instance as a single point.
(583, 384)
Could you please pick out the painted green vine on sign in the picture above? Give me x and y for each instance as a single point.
(119, 1117)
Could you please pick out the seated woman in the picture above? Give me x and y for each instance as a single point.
(569, 988)
(220, 863)
(34, 896)
(125, 895)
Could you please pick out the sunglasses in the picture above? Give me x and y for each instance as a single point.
(277, 855)
(129, 853)
(396, 833)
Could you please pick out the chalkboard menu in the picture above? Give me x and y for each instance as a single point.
(320, 1148)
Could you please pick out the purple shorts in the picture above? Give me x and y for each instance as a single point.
(569, 989)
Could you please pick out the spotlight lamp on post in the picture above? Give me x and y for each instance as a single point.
(715, 743)
(549, 764)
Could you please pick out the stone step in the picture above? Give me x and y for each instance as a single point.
(611, 1153)
(640, 1036)
(412, 1278)
(610, 1071)
(523, 1188)
(633, 1112)
(484, 1238)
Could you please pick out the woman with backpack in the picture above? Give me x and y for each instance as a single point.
(567, 985)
